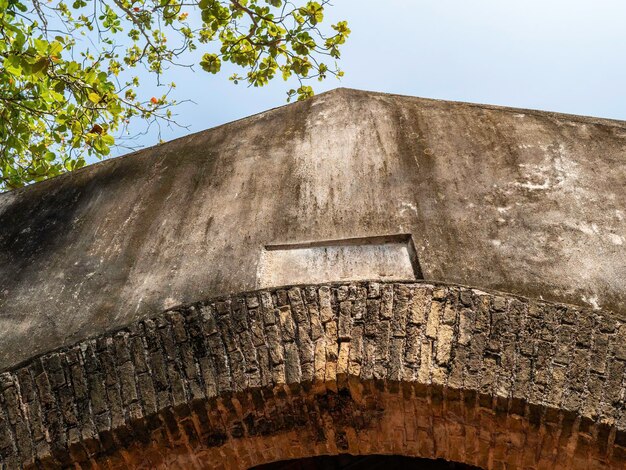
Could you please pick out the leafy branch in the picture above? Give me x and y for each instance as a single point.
(67, 91)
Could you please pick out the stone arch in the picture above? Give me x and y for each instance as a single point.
(416, 369)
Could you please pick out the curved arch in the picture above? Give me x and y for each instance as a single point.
(416, 369)
(360, 462)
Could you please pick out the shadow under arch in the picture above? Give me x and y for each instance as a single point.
(370, 462)
(418, 369)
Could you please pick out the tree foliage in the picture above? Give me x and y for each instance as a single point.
(68, 82)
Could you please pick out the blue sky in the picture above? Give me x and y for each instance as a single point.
(557, 55)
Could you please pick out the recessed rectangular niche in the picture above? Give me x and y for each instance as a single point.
(390, 257)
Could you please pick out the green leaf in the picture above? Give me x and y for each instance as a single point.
(39, 66)
(12, 64)
(55, 49)
(41, 46)
(94, 98)
(211, 63)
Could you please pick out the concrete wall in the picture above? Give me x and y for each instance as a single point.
(525, 202)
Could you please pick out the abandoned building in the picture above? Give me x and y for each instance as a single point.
(358, 273)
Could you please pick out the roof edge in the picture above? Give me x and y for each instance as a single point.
(339, 91)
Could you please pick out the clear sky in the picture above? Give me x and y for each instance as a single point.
(557, 55)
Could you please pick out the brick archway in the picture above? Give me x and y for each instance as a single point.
(415, 369)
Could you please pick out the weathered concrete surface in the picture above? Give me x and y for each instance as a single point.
(526, 202)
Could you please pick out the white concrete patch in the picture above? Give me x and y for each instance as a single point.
(356, 259)
(557, 170)
(588, 229)
(593, 301)
(408, 206)
(170, 302)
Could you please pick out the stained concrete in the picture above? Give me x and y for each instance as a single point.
(354, 259)
(526, 202)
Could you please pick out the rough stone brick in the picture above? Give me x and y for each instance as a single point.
(320, 361)
(565, 341)
(317, 330)
(239, 315)
(256, 329)
(426, 350)
(343, 293)
(128, 388)
(292, 363)
(326, 312)
(26, 384)
(383, 339)
(275, 345)
(619, 343)
(287, 326)
(445, 338)
(238, 377)
(360, 305)
(345, 320)
(386, 302)
(599, 352)
(483, 317)
(148, 397)
(420, 305)
(343, 359)
(373, 290)
(395, 364)
(400, 314)
(449, 312)
(413, 342)
(371, 317)
(267, 308)
(466, 325)
(434, 315)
